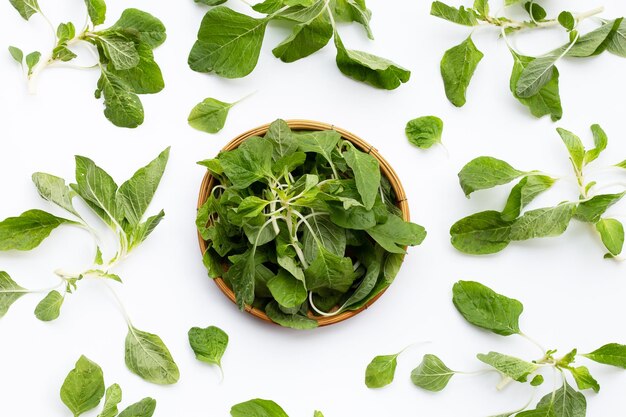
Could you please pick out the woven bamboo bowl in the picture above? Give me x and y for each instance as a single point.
(209, 182)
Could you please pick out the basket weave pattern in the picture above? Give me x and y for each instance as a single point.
(306, 125)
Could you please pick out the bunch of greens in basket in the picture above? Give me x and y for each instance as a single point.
(302, 221)
(488, 310)
(83, 390)
(492, 231)
(229, 43)
(124, 54)
(261, 408)
(122, 209)
(535, 80)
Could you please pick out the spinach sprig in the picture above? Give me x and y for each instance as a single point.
(302, 221)
(534, 80)
(122, 209)
(84, 389)
(492, 231)
(229, 42)
(123, 53)
(261, 408)
(486, 309)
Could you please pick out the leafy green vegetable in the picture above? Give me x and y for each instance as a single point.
(17, 54)
(432, 374)
(481, 306)
(424, 132)
(277, 228)
(208, 344)
(147, 356)
(491, 231)
(229, 43)
(257, 408)
(381, 371)
(124, 53)
(534, 80)
(83, 387)
(123, 209)
(210, 115)
(83, 390)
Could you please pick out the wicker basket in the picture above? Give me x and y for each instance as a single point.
(209, 182)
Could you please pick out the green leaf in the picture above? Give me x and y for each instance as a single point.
(26, 8)
(370, 69)
(545, 412)
(121, 105)
(306, 38)
(242, 277)
(612, 354)
(523, 193)
(210, 115)
(112, 398)
(329, 272)
(424, 132)
(65, 32)
(148, 28)
(395, 233)
(536, 75)
(583, 378)
(17, 54)
(591, 210)
(288, 291)
(97, 189)
(510, 366)
(257, 408)
(600, 140)
(574, 146)
(566, 403)
(28, 230)
(544, 222)
(486, 172)
(50, 307)
(594, 42)
(617, 42)
(483, 307)
(612, 234)
(381, 371)
(32, 60)
(248, 163)
(373, 265)
(83, 387)
(535, 11)
(537, 381)
(147, 356)
(547, 101)
(318, 414)
(482, 7)
(145, 77)
(329, 236)
(457, 69)
(211, 2)
(143, 230)
(208, 344)
(354, 11)
(481, 233)
(119, 50)
(144, 408)
(134, 196)
(10, 292)
(294, 321)
(228, 43)
(322, 142)
(432, 374)
(282, 139)
(462, 16)
(97, 11)
(366, 174)
(567, 20)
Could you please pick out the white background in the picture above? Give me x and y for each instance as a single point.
(573, 298)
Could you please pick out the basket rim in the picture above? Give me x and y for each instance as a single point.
(310, 125)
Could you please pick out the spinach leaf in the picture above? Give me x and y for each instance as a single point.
(381, 371)
(208, 344)
(144, 408)
(83, 387)
(612, 354)
(510, 366)
(50, 307)
(10, 292)
(147, 356)
(486, 172)
(112, 398)
(28, 230)
(424, 132)
(257, 408)
(432, 374)
(457, 69)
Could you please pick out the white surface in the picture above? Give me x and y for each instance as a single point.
(573, 298)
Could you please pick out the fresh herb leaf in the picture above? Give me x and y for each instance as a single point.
(83, 387)
(26, 8)
(567, 20)
(50, 307)
(432, 374)
(112, 398)
(486, 172)
(525, 192)
(208, 344)
(147, 356)
(512, 367)
(32, 60)
(535, 11)
(257, 408)
(457, 69)
(144, 408)
(424, 132)
(483, 307)
(612, 354)
(612, 234)
(28, 230)
(481, 233)
(97, 11)
(17, 54)
(461, 16)
(10, 292)
(381, 371)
